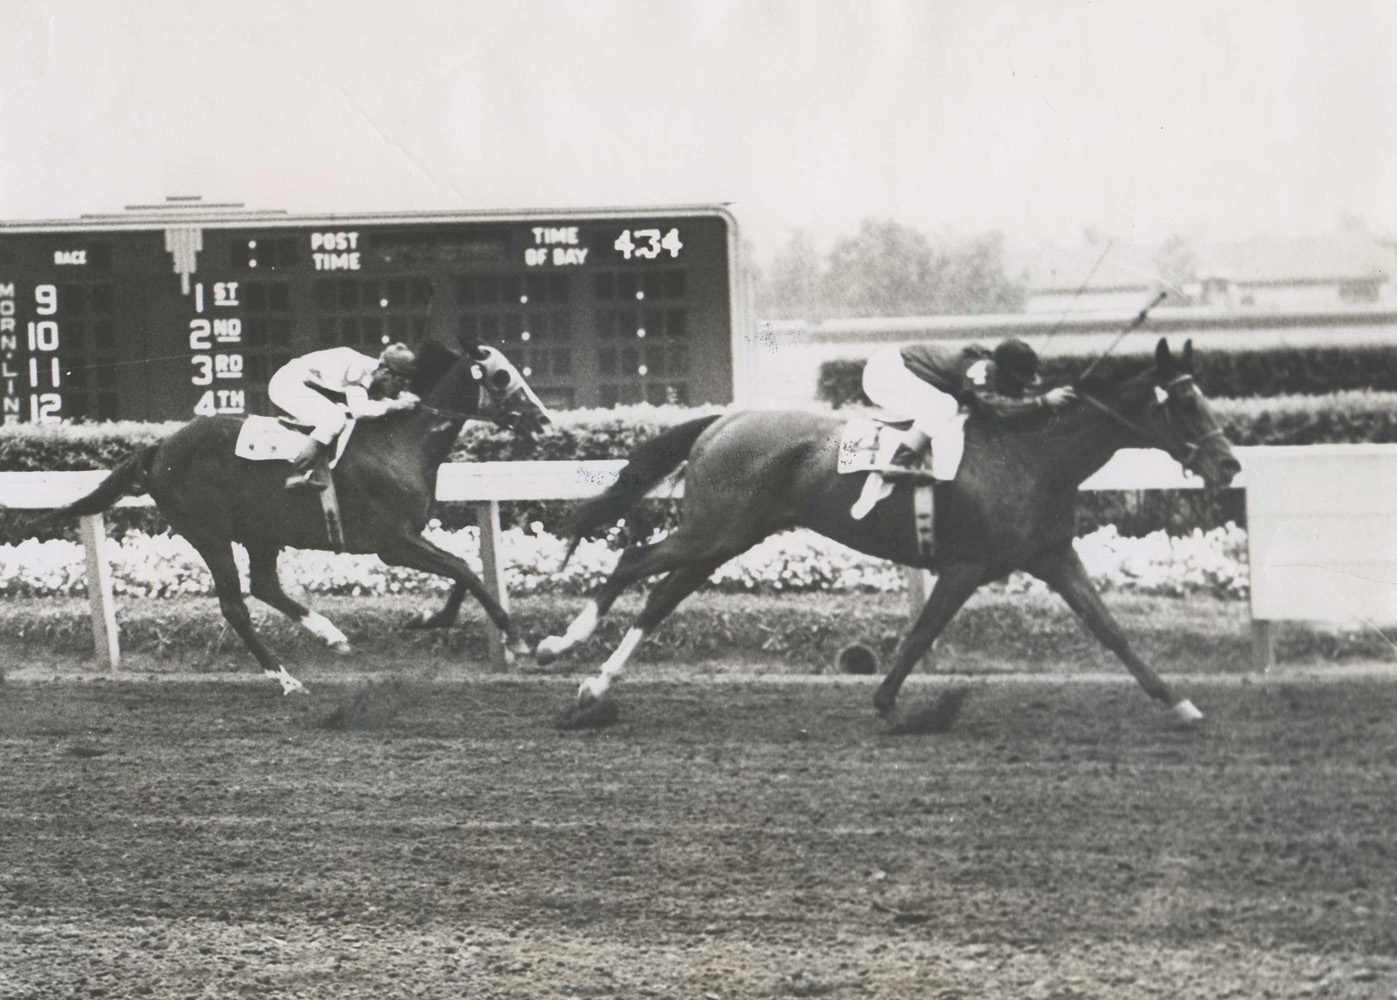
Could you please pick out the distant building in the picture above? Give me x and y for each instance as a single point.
(1236, 295)
(1274, 272)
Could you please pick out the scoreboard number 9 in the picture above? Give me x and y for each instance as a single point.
(647, 243)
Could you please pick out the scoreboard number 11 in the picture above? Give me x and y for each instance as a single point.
(647, 243)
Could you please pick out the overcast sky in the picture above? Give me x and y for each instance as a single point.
(1038, 119)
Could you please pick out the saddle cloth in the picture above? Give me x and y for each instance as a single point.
(271, 439)
(868, 445)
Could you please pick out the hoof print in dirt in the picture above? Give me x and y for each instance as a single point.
(372, 706)
(592, 715)
(938, 717)
(911, 918)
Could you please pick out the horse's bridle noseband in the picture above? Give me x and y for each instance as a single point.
(1189, 446)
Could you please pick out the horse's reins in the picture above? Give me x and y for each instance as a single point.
(419, 405)
(455, 415)
(1190, 445)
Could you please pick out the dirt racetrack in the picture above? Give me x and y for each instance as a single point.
(728, 838)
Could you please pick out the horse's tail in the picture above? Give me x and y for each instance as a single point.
(131, 477)
(647, 466)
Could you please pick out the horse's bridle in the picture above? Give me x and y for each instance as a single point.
(1189, 446)
(485, 397)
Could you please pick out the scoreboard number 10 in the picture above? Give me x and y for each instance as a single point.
(647, 243)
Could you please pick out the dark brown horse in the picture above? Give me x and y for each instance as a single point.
(1011, 507)
(386, 482)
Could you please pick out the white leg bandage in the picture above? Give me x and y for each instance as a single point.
(325, 630)
(595, 687)
(1187, 711)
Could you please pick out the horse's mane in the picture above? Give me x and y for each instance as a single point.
(1110, 383)
(434, 359)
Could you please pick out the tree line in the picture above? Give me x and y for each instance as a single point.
(886, 269)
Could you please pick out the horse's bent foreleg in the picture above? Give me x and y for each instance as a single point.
(226, 584)
(662, 600)
(1064, 572)
(579, 630)
(415, 552)
(954, 585)
(635, 564)
(266, 587)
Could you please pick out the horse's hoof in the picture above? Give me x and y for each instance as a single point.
(423, 619)
(517, 646)
(590, 691)
(884, 703)
(548, 650)
(288, 683)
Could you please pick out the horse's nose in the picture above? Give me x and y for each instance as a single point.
(1228, 468)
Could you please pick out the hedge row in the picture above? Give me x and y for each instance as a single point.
(1306, 371)
(577, 435)
(609, 434)
(1353, 416)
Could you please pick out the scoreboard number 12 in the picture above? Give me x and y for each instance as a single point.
(647, 243)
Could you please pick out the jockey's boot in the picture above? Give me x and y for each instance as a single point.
(912, 453)
(306, 466)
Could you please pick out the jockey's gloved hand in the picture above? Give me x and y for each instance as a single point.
(406, 401)
(1060, 396)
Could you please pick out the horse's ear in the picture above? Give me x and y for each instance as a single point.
(1186, 362)
(1163, 360)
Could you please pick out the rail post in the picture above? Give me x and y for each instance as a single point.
(99, 591)
(1263, 649)
(487, 518)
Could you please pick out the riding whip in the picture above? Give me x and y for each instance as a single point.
(1134, 324)
(1077, 294)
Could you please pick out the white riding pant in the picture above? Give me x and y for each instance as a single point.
(288, 390)
(936, 414)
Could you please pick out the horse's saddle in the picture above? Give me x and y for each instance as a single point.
(867, 445)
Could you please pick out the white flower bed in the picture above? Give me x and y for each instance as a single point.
(167, 566)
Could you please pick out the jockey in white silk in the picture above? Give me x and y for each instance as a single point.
(326, 388)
